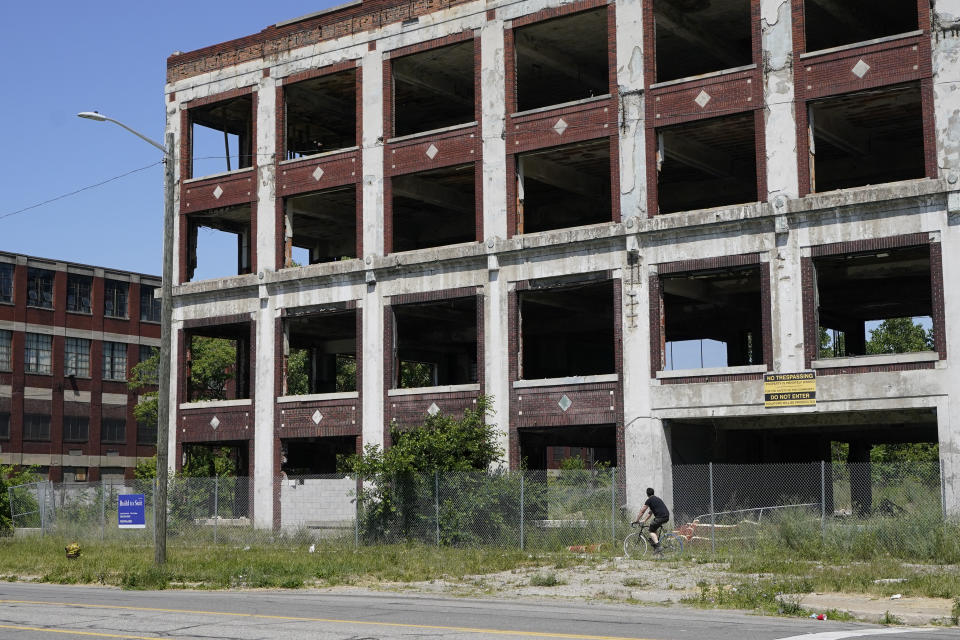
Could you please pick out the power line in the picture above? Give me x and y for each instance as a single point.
(80, 190)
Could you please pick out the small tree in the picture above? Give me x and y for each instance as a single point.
(899, 335)
(212, 365)
(11, 476)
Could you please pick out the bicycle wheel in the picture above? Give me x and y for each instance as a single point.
(672, 544)
(635, 545)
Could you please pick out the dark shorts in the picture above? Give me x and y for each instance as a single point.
(657, 523)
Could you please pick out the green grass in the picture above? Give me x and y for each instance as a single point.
(771, 597)
(548, 579)
(284, 566)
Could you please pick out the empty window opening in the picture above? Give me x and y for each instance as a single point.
(321, 227)
(78, 293)
(321, 114)
(873, 303)
(562, 60)
(4, 425)
(40, 288)
(314, 456)
(434, 208)
(694, 37)
(435, 343)
(595, 444)
(832, 23)
(218, 362)
(6, 282)
(712, 318)
(115, 298)
(217, 239)
(321, 353)
(565, 186)
(567, 330)
(433, 89)
(221, 136)
(866, 138)
(221, 459)
(708, 163)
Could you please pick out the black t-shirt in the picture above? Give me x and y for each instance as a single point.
(656, 505)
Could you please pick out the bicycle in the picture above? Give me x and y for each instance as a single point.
(635, 545)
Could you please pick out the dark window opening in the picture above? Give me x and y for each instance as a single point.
(314, 456)
(321, 227)
(433, 89)
(434, 208)
(866, 138)
(40, 288)
(221, 136)
(875, 302)
(115, 298)
(321, 114)
(113, 430)
(149, 304)
(216, 239)
(562, 60)
(564, 186)
(694, 37)
(146, 433)
(712, 318)
(832, 23)
(78, 293)
(708, 163)
(436, 343)
(6, 282)
(222, 459)
(145, 352)
(322, 353)
(595, 444)
(76, 428)
(567, 331)
(218, 362)
(36, 426)
(4, 425)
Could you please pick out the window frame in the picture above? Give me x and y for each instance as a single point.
(6, 282)
(6, 350)
(76, 356)
(76, 281)
(37, 290)
(153, 304)
(116, 292)
(69, 426)
(30, 427)
(113, 349)
(108, 424)
(34, 365)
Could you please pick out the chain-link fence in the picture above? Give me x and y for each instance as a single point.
(857, 509)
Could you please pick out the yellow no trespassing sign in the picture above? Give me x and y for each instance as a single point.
(790, 389)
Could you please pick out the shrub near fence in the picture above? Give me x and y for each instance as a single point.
(807, 511)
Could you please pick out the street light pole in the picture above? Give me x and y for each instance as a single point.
(166, 322)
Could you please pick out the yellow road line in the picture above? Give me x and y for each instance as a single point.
(402, 625)
(96, 634)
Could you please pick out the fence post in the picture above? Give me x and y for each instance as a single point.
(43, 507)
(943, 493)
(103, 510)
(713, 537)
(823, 500)
(356, 514)
(613, 506)
(436, 502)
(216, 506)
(522, 475)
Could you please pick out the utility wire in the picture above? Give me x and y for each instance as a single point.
(80, 190)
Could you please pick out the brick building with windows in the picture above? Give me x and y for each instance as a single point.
(613, 217)
(69, 334)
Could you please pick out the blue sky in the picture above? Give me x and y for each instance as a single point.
(60, 58)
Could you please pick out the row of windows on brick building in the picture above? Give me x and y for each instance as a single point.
(40, 293)
(38, 356)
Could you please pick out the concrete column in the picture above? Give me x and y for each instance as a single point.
(372, 338)
(781, 125)
(495, 321)
(633, 159)
(265, 317)
(945, 35)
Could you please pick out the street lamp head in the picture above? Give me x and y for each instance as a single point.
(92, 115)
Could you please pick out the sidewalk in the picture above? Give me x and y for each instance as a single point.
(909, 610)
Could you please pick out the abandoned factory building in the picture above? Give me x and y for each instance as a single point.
(69, 336)
(615, 218)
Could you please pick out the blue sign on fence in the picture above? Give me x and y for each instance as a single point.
(130, 511)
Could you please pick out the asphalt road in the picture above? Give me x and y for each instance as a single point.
(45, 612)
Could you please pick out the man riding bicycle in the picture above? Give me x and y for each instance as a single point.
(654, 507)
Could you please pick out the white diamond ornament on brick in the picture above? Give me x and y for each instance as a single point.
(218, 192)
(432, 152)
(702, 99)
(433, 409)
(560, 127)
(860, 69)
(317, 174)
(565, 402)
(215, 422)
(317, 417)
